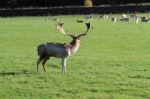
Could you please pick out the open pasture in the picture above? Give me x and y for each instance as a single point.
(113, 61)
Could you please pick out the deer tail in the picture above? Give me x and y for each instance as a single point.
(40, 49)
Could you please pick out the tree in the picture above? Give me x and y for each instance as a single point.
(88, 3)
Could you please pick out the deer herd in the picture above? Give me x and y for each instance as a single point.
(63, 50)
(126, 18)
(133, 17)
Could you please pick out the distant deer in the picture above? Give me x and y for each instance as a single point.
(124, 15)
(145, 19)
(125, 20)
(136, 19)
(59, 50)
(79, 21)
(114, 19)
(103, 16)
(89, 17)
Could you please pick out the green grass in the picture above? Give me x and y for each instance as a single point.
(113, 61)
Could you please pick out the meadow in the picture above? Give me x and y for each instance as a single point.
(113, 61)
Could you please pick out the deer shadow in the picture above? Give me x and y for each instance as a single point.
(13, 73)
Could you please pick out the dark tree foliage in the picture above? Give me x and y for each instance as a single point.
(57, 3)
(113, 2)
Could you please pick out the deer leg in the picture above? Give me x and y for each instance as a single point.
(63, 65)
(43, 63)
(39, 61)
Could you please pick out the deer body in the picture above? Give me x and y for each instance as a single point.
(53, 50)
(59, 50)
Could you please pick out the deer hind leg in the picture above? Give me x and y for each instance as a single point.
(39, 61)
(43, 63)
(63, 65)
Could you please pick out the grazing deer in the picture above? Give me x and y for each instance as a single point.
(125, 20)
(59, 50)
(145, 19)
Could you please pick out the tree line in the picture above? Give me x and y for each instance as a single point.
(62, 3)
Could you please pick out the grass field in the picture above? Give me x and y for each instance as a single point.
(113, 61)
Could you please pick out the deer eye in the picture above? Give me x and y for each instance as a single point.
(78, 38)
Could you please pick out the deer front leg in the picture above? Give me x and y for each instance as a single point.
(63, 65)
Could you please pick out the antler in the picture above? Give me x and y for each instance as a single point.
(85, 33)
(61, 29)
(88, 25)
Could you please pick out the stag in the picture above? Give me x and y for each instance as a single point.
(59, 50)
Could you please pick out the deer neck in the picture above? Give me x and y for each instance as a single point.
(73, 47)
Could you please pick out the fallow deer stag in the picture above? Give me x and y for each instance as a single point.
(59, 50)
